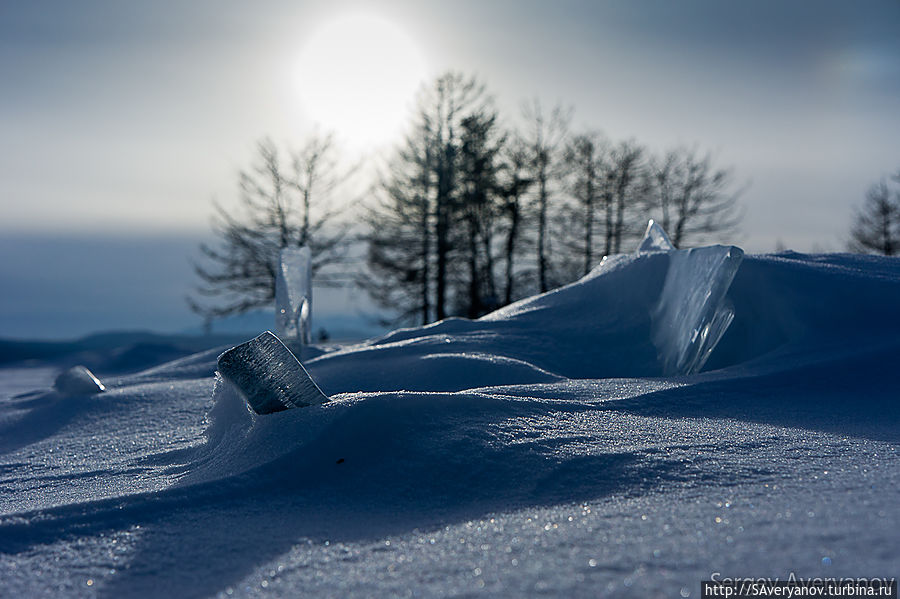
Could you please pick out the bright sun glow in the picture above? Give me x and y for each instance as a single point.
(357, 75)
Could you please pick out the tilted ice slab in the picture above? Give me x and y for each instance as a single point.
(293, 295)
(269, 376)
(693, 311)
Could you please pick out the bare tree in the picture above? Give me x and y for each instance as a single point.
(691, 198)
(478, 207)
(426, 181)
(876, 227)
(453, 98)
(584, 156)
(515, 182)
(622, 192)
(544, 138)
(284, 202)
(401, 232)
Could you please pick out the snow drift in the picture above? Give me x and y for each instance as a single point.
(546, 448)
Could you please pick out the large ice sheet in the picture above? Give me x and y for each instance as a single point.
(269, 376)
(293, 295)
(693, 311)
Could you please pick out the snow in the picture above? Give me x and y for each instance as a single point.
(542, 450)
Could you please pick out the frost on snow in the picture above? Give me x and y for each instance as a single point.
(293, 295)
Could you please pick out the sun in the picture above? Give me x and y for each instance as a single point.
(357, 75)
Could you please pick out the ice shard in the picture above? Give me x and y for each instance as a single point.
(269, 376)
(78, 380)
(693, 311)
(293, 295)
(655, 239)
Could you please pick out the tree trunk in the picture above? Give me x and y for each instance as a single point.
(445, 184)
(542, 230)
(426, 250)
(589, 224)
(608, 205)
(474, 307)
(511, 248)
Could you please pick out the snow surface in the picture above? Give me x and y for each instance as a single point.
(538, 451)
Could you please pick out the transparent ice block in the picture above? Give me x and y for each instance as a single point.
(293, 295)
(269, 376)
(693, 311)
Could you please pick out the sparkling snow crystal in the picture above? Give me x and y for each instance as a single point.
(293, 295)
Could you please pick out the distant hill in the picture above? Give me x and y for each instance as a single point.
(120, 351)
(128, 351)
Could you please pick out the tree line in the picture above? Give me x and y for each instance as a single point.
(472, 213)
(473, 210)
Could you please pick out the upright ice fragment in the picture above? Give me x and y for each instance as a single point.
(269, 376)
(655, 239)
(693, 312)
(78, 380)
(293, 295)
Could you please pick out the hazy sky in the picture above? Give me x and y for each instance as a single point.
(128, 118)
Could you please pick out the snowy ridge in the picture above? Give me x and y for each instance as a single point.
(453, 356)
